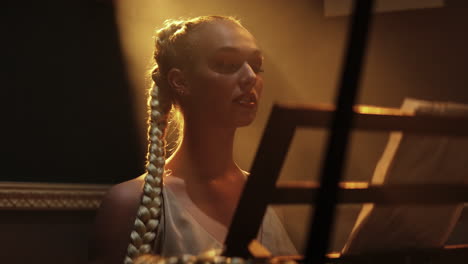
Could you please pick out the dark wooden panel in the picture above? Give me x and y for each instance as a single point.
(45, 236)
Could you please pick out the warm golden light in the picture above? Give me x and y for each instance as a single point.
(354, 185)
(365, 109)
(334, 255)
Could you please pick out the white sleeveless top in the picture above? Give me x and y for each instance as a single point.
(188, 230)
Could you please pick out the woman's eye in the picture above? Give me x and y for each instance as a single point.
(257, 68)
(227, 66)
(232, 63)
(256, 65)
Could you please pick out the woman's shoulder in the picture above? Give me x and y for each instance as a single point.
(125, 192)
(121, 201)
(114, 220)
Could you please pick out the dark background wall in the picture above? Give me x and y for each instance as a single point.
(66, 96)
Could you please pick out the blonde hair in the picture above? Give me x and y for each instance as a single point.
(172, 49)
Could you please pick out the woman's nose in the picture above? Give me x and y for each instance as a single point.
(248, 78)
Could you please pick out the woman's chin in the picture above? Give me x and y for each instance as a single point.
(245, 120)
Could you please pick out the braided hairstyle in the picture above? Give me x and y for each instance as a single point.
(172, 50)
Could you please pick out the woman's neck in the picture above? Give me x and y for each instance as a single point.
(205, 154)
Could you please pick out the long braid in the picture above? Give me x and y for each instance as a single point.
(159, 105)
(160, 102)
(148, 216)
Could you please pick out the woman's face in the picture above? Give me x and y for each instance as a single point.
(225, 82)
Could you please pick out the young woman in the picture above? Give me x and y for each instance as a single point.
(209, 69)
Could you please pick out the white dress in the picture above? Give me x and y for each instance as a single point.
(188, 230)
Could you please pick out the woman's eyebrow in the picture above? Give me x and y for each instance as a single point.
(237, 50)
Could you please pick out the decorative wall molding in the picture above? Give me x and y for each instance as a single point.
(50, 196)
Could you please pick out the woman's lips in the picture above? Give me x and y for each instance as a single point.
(249, 99)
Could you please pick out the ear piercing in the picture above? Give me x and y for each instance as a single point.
(181, 92)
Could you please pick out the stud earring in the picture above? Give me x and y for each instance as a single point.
(181, 92)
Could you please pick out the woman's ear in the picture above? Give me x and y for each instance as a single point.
(178, 82)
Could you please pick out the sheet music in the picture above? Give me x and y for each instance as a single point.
(414, 159)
